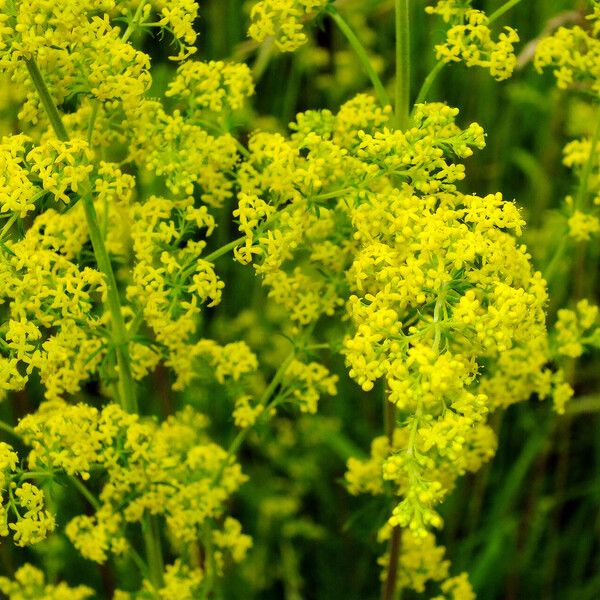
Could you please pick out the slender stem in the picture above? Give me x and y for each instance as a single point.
(262, 59)
(94, 503)
(224, 249)
(504, 8)
(8, 225)
(429, 80)
(389, 590)
(211, 570)
(390, 586)
(153, 550)
(120, 339)
(552, 265)
(9, 429)
(362, 55)
(92, 123)
(402, 83)
(46, 99)
(264, 399)
(402, 116)
(133, 23)
(578, 202)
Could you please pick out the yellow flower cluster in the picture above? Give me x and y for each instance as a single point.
(420, 562)
(170, 283)
(23, 501)
(245, 413)
(308, 382)
(283, 20)
(29, 584)
(77, 49)
(577, 328)
(61, 166)
(213, 86)
(17, 192)
(457, 588)
(50, 323)
(583, 226)
(582, 156)
(172, 470)
(180, 581)
(178, 17)
(184, 154)
(470, 40)
(574, 55)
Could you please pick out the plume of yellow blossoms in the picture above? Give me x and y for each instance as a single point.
(442, 300)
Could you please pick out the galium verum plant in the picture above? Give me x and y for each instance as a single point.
(357, 226)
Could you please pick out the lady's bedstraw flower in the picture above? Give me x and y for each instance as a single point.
(574, 55)
(283, 20)
(211, 86)
(576, 329)
(18, 193)
(470, 40)
(436, 283)
(172, 470)
(29, 584)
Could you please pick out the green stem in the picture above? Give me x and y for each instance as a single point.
(552, 265)
(402, 83)
(429, 80)
(224, 249)
(262, 59)
(120, 339)
(92, 123)
(153, 550)
(211, 566)
(362, 55)
(389, 590)
(46, 99)
(8, 225)
(131, 26)
(578, 202)
(9, 429)
(94, 503)
(504, 8)
(264, 399)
